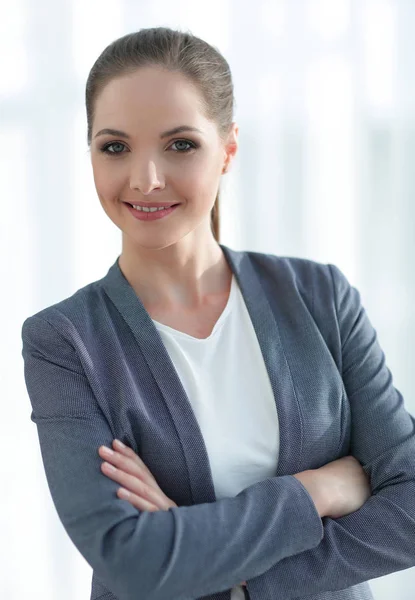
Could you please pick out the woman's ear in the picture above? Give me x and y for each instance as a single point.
(231, 147)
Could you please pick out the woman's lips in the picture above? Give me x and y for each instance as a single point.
(152, 205)
(151, 216)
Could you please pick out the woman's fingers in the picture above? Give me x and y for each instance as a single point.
(137, 501)
(135, 485)
(129, 452)
(128, 465)
(130, 474)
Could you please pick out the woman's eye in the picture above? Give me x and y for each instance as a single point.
(106, 151)
(180, 149)
(191, 144)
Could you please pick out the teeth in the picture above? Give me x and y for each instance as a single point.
(152, 209)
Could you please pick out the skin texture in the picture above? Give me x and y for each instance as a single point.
(175, 261)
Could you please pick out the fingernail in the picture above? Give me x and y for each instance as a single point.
(107, 451)
(124, 493)
(109, 467)
(119, 444)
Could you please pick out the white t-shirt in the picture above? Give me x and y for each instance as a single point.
(227, 384)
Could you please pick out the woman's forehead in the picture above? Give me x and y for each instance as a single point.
(148, 98)
(149, 85)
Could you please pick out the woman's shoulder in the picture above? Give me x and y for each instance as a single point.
(85, 300)
(302, 272)
(295, 263)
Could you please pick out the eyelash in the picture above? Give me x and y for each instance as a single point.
(105, 150)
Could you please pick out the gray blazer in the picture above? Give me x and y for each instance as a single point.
(96, 369)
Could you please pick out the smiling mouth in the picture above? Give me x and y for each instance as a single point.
(151, 215)
(167, 206)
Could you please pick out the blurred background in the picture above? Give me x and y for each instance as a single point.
(325, 103)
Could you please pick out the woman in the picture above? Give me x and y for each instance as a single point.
(268, 454)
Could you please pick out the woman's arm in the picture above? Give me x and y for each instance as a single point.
(379, 538)
(182, 553)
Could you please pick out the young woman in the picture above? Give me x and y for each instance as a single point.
(268, 454)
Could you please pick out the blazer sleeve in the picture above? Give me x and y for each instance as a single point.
(182, 553)
(379, 538)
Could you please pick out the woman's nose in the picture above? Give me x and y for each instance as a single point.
(145, 177)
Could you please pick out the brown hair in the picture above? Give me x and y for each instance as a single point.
(177, 51)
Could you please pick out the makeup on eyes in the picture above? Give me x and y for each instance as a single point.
(192, 146)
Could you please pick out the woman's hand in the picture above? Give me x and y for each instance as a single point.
(136, 479)
(338, 488)
(347, 485)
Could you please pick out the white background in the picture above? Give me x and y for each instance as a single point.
(325, 103)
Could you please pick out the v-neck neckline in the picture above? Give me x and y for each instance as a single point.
(218, 325)
(267, 322)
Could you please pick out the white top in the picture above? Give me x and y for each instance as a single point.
(227, 384)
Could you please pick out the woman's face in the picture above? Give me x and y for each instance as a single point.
(183, 168)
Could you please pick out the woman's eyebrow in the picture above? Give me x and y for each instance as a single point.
(179, 129)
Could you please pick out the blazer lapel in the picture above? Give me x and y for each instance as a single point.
(267, 330)
(151, 345)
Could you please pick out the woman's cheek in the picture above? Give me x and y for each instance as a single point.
(110, 189)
